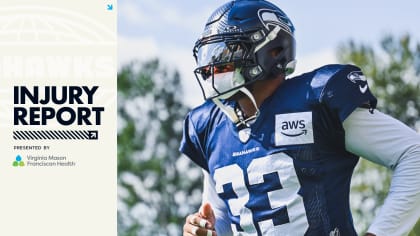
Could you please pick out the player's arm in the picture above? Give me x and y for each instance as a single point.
(388, 142)
(212, 216)
(223, 224)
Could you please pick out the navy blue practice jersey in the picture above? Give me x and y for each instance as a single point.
(292, 177)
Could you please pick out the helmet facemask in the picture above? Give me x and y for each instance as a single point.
(221, 66)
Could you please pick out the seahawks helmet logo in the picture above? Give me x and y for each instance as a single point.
(270, 18)
(355, 76)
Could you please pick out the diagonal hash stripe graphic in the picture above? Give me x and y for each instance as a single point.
(55, 135)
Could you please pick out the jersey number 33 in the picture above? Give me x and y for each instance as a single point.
(283, 213)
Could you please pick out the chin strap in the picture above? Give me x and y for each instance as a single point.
(231, 113)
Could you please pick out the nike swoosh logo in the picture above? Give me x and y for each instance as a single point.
(363, 88)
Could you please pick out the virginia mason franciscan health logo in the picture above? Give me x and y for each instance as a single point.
(18, 161)
(42, 160)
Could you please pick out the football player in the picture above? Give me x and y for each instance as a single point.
(278, 154)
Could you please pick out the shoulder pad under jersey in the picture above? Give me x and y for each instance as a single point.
(342, 88)
(197, 127)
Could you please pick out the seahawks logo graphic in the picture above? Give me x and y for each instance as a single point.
(358, 77)
(269, 17)
(355, 76)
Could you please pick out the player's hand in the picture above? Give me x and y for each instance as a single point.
(201, 223)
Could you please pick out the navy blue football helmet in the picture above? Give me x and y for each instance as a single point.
(243, 41)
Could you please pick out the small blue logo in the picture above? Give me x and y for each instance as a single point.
(18, 161)
(109, 7)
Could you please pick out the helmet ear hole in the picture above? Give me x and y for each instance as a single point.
(254, 71)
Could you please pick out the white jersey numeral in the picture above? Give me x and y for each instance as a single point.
(233, 174)
(287, 196)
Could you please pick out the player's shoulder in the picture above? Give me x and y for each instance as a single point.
(330, 72)
(320, 76)
(203, 115)
(340, 87)
(330, 75)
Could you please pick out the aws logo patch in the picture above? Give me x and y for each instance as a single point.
(294, 128)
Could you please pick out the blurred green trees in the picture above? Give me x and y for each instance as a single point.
(157, 187)
(393, 72)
